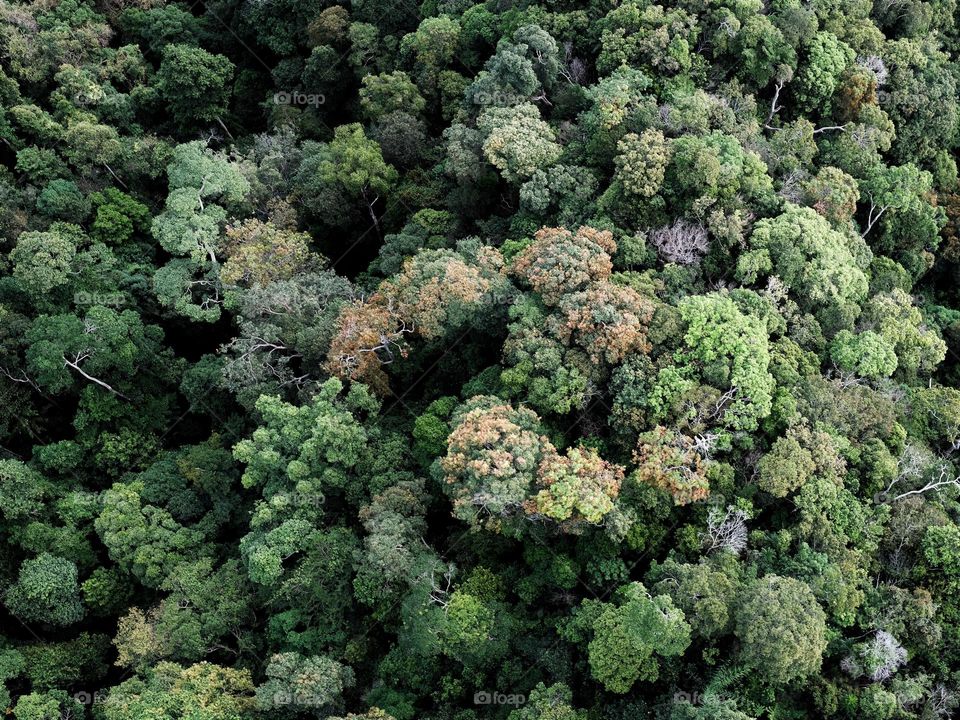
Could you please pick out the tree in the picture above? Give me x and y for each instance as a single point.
(296, 683)
(642, 161)
(285, 329)
(22, 491)
(105, 348)
(705, 594)
(559, 262)
(189, 228)
(492, 458)
(579, 487)
(194, 84)
(899, 195)
(522, 70)
(609, 322)
(47, 706)
(44, 261)
(822, 267)
(901, 329)
(143, 539)
(647, 36)
(549, 703)
(683, 242)
(260, 253)
(834, 194)
(348, 169)
(437, 293)
(46, 591)
(394, 522)
(431, 48)
(631, 638)
(865, 354)
(818, 77)
(516, 141)
(731, 350)
(401, 137)
(550, 377)
(475, 631)
(203, 691)
(390, 93)
(782, 629)
(672, 462)
(307, 448)
(877, 659)
(715, 168)
(763, 50)
(118, 216)
(62, 200)
(564, 193)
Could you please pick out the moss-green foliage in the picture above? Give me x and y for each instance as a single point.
(454, 360)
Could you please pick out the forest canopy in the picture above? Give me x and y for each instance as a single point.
(454, 360)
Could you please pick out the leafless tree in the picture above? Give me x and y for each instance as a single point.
(726, 530)
(705, 443)
(913, 466)
(573, 69)
(942, 701)
(442, 587)
(874, 64)
(877, 659)
(683, 242)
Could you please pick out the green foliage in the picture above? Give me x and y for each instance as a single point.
(814, 261)
(516, 141)
(193, 83)
(204, 691)
(630, 639)
(46, 591)
(781, 628)
(360, 360)
(294, 681)
(642, 161)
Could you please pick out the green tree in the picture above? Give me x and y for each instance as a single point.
(194, 84)
(389, 93)
(705, 594)
(296, 683)
(632, 638)
(190, 226)
(549, 703)
(347, 170)
(47, 706)
(105, 348)
(642, 161)
(782, 629)
(516, 141)
(46, 591)
(825, 269)
(203, 691)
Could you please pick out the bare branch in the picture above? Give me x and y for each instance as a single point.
(75, 364)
